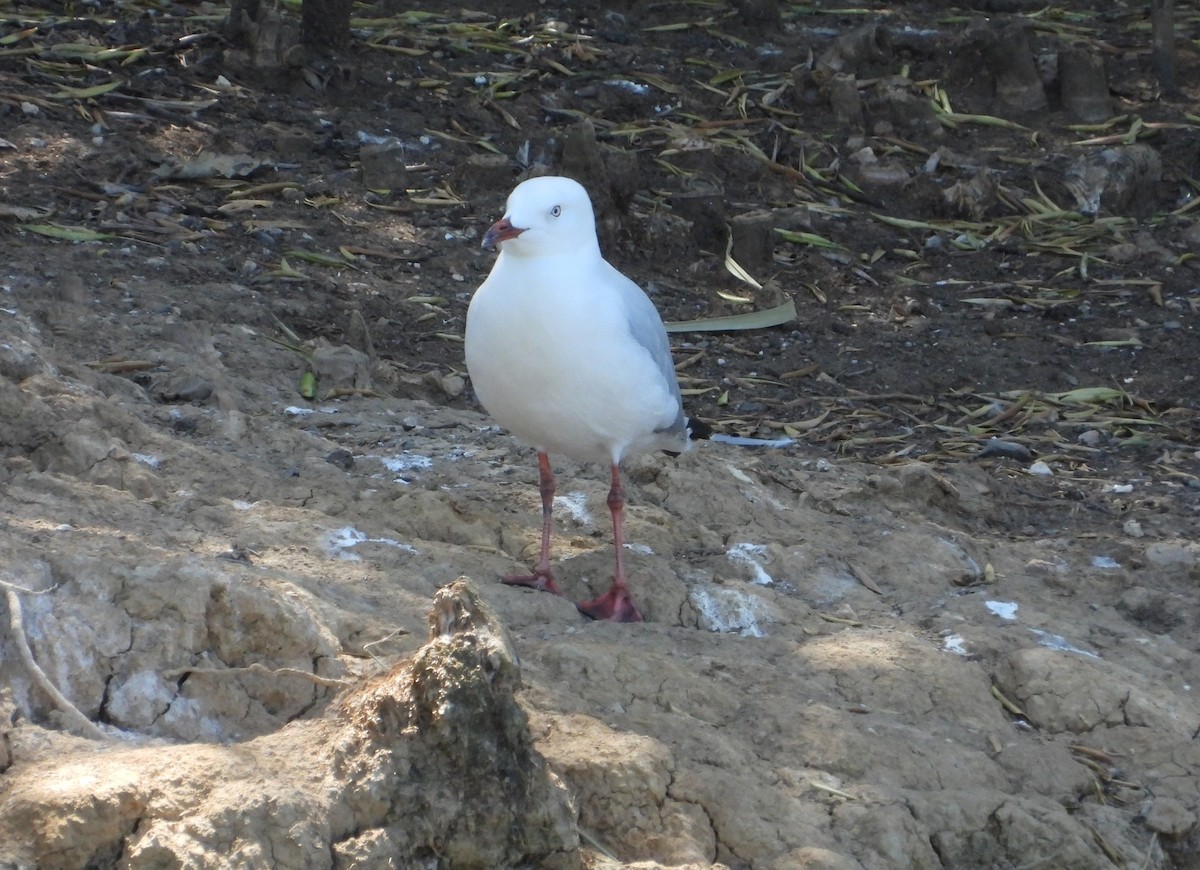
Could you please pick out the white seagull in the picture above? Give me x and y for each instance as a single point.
(571, 356)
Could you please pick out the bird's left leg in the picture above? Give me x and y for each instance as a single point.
(616, 604)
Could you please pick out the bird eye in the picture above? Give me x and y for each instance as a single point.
(556, 211)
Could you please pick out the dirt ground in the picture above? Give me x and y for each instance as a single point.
(953, 623)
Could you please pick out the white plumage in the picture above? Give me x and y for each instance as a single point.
(570, 355)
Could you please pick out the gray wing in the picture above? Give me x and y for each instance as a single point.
(647, 328)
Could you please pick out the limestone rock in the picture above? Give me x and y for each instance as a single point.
(431, 761)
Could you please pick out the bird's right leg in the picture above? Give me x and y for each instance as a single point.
(541, 578)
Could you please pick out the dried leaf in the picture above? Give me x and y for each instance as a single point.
(1089, 395)
(811, 239)
(67, 234)
(285, 270)
(260, 189)
(735, 269)
(23, 212)
(240, 206)
(989, 302)
(85, 93)
(17, 35)
(776, 316)
(1115, 342)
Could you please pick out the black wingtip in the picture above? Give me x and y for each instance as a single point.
(698, 430)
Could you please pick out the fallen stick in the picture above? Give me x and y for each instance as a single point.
(257, 668)
(74, 716)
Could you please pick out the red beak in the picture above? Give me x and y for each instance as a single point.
(501, 231)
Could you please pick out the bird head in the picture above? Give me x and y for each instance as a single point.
(545, 215)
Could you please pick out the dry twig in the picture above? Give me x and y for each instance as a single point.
(73, 715)
(263, 670)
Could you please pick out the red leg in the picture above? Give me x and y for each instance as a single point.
(541, 578)
(616, 604)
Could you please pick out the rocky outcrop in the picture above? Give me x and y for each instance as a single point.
(430, 764)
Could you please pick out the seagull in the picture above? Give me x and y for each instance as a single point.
(572, 357)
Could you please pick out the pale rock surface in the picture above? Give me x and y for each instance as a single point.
(431, 761)
(245, 623)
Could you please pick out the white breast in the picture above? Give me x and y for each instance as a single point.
(553, 360)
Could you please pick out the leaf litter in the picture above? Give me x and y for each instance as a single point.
(91, 75)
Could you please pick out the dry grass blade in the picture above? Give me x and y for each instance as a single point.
(286, 272)
(776, 316)
(735, 269)
(1137, 128)
(260, 189)
(657, 81)
(1100, 755)
(828, 789)
(810, 239)
(953, 119)
(17, 36)
(989, 301)
(241, 206)
(596, 844)
(864, 578)
(909, 224)
(23, 213)
(121, 366)
(321, 259)
(1008, 705)
(85, 93)
(1089, 396)
(67, 234)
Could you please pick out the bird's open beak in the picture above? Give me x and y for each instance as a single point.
(501, 231)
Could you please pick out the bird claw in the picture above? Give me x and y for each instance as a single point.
(541, 580)
(615, 605)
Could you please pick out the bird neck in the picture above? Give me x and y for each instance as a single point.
(586, 251)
